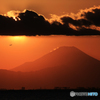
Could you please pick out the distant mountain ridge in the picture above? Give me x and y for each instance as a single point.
(65, 67)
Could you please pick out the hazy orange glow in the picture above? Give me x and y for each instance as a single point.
(18, 38)
(16, 50)
(45, 7)
(42, 60)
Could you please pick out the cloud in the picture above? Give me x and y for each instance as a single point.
(86, 17)
(30, 23)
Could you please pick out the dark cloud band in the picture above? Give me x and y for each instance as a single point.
(32, 24)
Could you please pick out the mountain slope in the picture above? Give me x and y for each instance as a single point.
(59, 76)
(63, 56)
(64, 67)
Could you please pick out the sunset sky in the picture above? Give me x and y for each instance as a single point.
(26, 49)
(47, 7)
(59, 18)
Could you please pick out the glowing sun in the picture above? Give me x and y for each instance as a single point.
(18, 38)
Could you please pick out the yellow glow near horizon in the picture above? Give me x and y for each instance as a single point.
(18, 38)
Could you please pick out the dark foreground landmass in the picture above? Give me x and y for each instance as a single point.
(56, 94)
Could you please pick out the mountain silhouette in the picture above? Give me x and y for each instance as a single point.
(63, 56)
(63, 67)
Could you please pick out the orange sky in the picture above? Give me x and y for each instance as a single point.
(47, 7)
(25, 49)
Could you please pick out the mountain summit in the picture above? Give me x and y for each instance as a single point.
(62, 56)
(63, 67)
